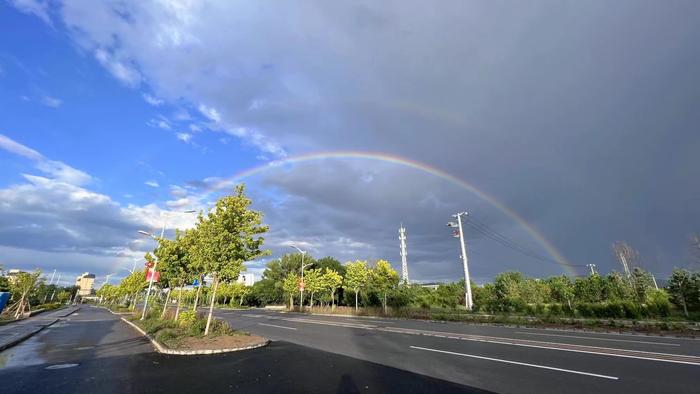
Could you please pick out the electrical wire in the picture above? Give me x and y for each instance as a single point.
(494, 235)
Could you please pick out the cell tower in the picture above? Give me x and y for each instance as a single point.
(404, 263)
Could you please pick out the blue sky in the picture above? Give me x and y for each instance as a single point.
(117, 115)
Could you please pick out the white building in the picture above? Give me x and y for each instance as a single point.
(247, 278)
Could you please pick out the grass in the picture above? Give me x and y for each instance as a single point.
(669, 326)
(189, 325)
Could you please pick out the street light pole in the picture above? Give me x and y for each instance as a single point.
(467, 284)
(301, 288)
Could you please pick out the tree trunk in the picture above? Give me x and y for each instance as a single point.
(356, 291)
(333, 301)
(211, 305)
(241, 303)
(179, 299)
(685, 307)
(165, 306)
(311, 305)
(199, 290)
(385, 303)
(291, 301)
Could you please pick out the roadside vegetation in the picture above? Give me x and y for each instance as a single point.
(29, 295)
(212, 255)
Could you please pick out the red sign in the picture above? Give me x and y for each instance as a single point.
(149, 264)
(156, 277)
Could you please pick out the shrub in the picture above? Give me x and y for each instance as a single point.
(187, 318)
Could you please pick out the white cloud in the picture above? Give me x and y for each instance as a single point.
(154, 101)
(211, 113)
(151, 183)
(58, 170)
(186, 137)
(15, 147)
(120, 70)
(51, 101)
(36, 7)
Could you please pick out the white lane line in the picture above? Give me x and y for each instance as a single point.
(617, 334)
(596, 338)
(598, 350)
(272, 325)
(517, 363)
(328, 323)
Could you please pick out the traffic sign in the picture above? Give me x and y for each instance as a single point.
(150, 273)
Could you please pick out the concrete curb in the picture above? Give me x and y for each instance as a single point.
(25, 336)
(162, 349)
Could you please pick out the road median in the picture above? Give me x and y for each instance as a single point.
(184, 338)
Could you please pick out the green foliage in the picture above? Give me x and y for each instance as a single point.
(187, 318)
(356, 277)
(684, 289)
(228, 236)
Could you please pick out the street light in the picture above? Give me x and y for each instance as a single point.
(155, 265)
(301, 288)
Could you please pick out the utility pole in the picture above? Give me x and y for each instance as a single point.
(404, 263)
(50, 281)
(467, 283)
(592, 267)
(654, 279)
(54, 289)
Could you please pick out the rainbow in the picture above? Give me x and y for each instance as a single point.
(410, 163)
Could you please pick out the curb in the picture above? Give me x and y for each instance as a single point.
(25, 337)
(162, 349)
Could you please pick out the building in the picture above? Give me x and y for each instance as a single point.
(247, 278)
(86, 284)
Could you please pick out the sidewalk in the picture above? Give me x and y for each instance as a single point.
(14, 333)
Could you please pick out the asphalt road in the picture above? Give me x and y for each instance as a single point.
(494, 358)
(92, 351)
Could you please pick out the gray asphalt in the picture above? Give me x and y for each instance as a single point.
(494, 358)
(92, 351)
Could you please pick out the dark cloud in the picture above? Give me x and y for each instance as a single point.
(580, 116)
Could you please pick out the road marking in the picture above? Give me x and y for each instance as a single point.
(328, 323)
(517, 363)
(272, 325)
(61, 366)
(599, 339)
(564, 347)
(610, 333)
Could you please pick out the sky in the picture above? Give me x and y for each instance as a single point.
(563, 126)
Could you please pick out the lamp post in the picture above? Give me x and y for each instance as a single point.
(155, 265)
(301, 288)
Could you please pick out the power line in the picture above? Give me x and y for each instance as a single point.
(494, 235)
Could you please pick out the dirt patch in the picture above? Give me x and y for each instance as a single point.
(219, 342)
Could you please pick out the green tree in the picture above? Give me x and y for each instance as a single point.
(174, 266)
(330, 263)
(383, 279)
(684, 288)
(331, 282)
(227, 237)
(290, 285)
(562, 289)
(313, 283)
(21, 288)
(278, 269)
(356, 277)
(132, 285)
